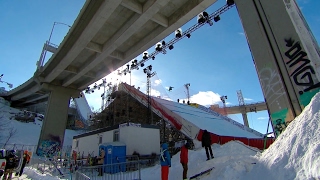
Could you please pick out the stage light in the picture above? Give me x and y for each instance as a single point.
(171, 47)
(142, 64)
(163, 43)
(150, 67)
(202, 17)
(158, 46)
(216, 18)
(188, 35)
(145, 70)
(145, 55)
(178, 33)
(153, 57)
(230, 2)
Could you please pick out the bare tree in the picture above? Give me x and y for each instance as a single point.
(5, 129)
(12, 132)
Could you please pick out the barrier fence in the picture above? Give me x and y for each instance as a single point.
(116, 171)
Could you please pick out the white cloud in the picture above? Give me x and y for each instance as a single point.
(206, 98)
(247, 99)
(155, 93)
(157, 82)
(241, 33)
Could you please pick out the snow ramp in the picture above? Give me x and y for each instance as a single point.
(83, 107)
(190, 119)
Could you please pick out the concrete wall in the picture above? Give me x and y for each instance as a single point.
(285, 55)
(142, 140)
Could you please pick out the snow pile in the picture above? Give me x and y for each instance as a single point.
(27, 133)
(296, 152)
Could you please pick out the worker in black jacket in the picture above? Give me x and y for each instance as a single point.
(206, 142)
(11, 162)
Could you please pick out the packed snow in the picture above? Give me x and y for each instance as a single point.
(295, 155)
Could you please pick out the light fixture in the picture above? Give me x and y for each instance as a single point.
(153, 57)
(158, 46)
(150, 67)
(188, 35)
(178, 33)
(163, 43)
(145, 55)
(171, 47)
(201, 18)
(230, 2)
(142, 64)
(216, 18)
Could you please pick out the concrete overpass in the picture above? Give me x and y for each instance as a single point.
(108, 34)
(105, 36)
(240, 109)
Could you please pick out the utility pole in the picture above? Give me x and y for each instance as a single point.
(188, 94)
(150, 74)
(9, 84)
(242, 108)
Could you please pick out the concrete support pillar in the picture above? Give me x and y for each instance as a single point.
(245, 119)
(56, 116)
(285, 54)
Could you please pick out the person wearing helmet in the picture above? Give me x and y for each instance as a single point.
(11, 163)
(26, 159)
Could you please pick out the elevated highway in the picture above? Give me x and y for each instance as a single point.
(106, 35)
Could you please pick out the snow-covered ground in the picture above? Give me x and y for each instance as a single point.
(295, 155)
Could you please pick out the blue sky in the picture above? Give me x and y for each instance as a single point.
(215, 61)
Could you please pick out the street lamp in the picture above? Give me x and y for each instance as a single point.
(44, 51)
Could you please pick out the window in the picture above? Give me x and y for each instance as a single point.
(115, 135)
(100, 139)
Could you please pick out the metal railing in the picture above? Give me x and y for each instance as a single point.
(116, 171)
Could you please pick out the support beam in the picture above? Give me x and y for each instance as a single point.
(54, 124)
(105, 11)
(178, 19)
(125, 32)
(285, 55)
(137, 7)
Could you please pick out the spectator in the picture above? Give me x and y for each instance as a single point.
(184, 159)
(206, 142)
(165, 160)
(26, 159)
(101, 161)
(11, 162)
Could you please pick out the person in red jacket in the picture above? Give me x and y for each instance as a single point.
(184, 159)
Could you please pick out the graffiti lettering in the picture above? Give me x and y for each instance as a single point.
(302, 70)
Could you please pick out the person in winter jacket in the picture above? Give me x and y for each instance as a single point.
(165, 160)
(11, 162)
(101, 161)
(206, 142)
(184, 159)
(26, 159)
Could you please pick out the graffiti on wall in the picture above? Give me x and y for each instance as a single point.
(50, 147)
(271, 85)
(301, 71)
